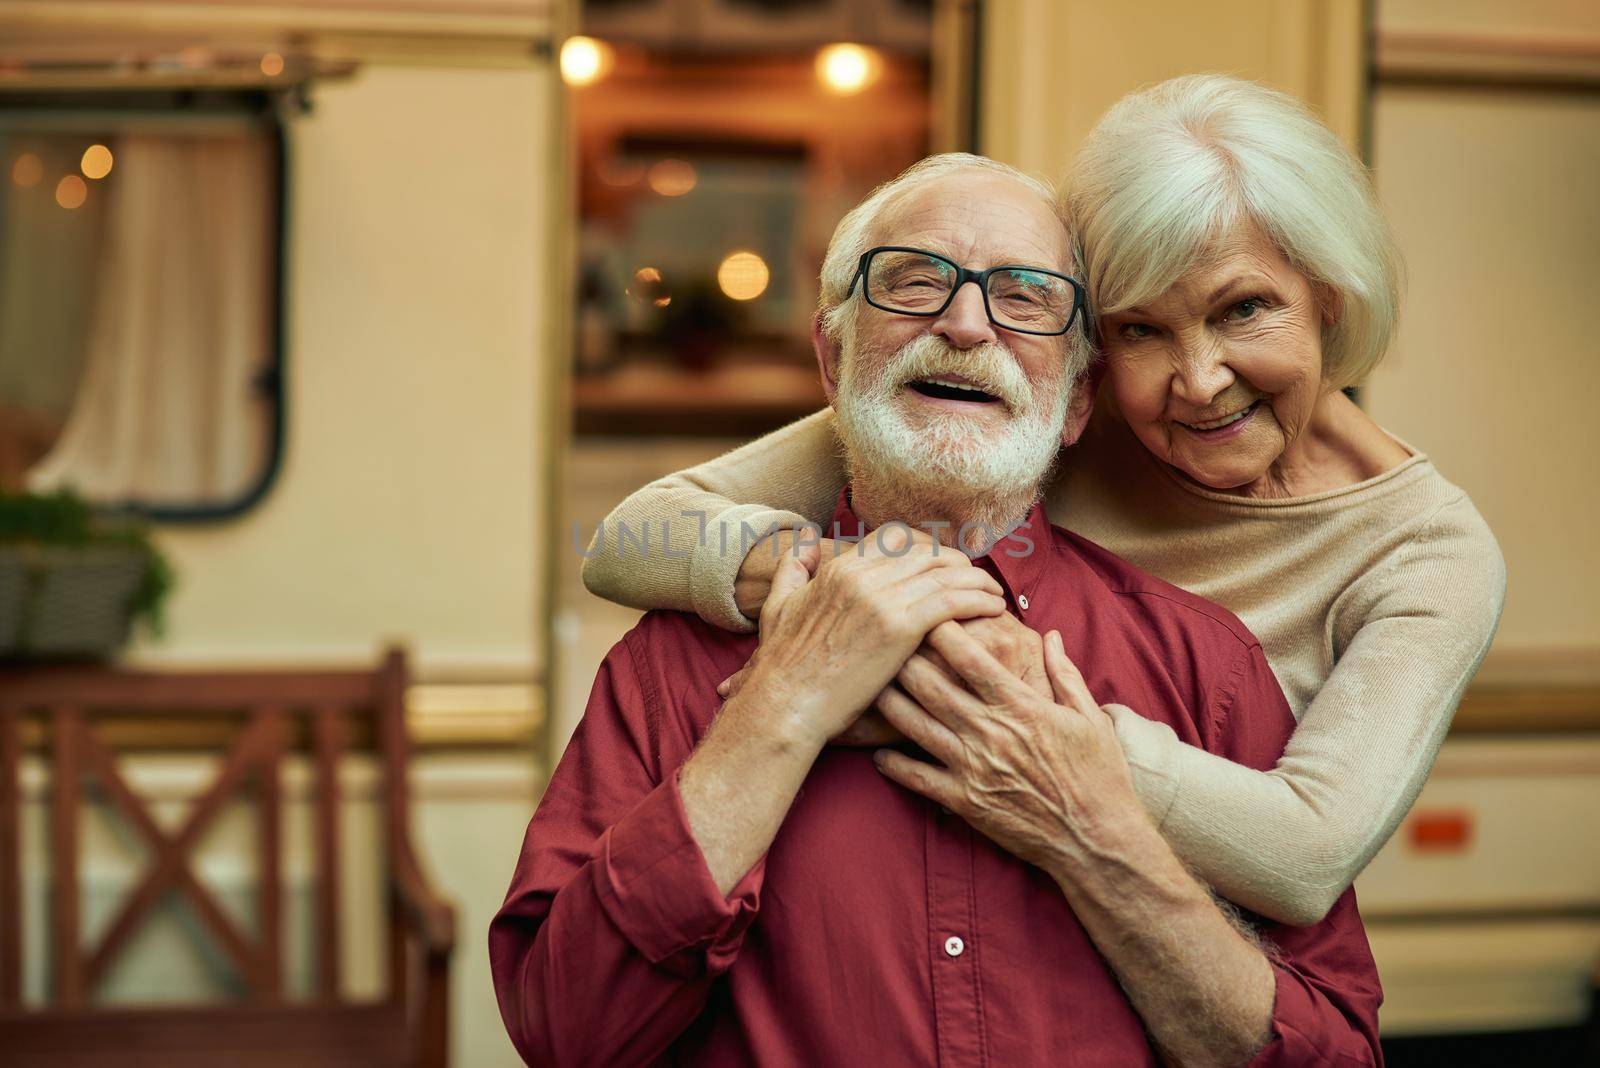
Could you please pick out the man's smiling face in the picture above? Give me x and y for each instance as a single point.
(953, 397)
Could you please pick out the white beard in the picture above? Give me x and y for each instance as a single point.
(950, 468)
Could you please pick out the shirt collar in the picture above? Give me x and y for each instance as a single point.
(1019, 560)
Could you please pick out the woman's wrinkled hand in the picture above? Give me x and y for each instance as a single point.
(1044, 777)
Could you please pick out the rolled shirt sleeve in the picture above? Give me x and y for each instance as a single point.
(613, 929)
(652, 881)
(1325, 1007)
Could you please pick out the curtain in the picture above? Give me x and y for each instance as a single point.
(46, 262)
(179, 327)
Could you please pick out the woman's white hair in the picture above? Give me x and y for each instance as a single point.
(1171, 168)
(838, 304)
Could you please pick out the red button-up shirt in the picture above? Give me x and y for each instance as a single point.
(877, 930)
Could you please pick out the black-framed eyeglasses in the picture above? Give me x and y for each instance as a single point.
(914, 281)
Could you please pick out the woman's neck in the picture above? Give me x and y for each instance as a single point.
(1340, 446)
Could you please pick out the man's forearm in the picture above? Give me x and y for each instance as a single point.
(1204, 991)
(738, 784)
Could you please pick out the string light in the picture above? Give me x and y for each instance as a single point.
(584, 60)
(672, 177)
(847, 69)
(27, 171)
(96, 162)
(743, 275)
(71, 192)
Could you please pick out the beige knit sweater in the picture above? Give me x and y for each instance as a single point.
(1375, 604)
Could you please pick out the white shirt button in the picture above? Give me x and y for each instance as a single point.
(1022, 601)
(954, 946)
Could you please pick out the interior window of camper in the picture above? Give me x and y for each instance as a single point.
(139, 298)
(717, 144)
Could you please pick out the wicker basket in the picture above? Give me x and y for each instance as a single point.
(66, 602)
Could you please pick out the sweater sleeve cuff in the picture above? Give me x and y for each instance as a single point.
(1149, 749)
(1306, 1030)
(653, 883)
(715, 562)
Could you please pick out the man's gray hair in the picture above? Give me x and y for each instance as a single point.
(838, 307)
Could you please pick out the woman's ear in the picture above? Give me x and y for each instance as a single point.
(1331, 301)
(827, 350)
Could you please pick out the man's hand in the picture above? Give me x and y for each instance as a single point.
(829, 645)
(1043, 776)
(1017, 647)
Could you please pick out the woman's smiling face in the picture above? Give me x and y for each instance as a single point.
(1220, 374)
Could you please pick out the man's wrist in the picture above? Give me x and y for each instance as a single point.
(766, 711)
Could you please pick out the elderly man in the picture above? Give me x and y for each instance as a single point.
(719, 885)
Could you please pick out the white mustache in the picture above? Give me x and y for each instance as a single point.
(988, 367)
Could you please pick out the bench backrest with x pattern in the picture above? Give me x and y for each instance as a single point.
(257, 718)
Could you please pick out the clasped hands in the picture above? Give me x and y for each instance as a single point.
(900, 639)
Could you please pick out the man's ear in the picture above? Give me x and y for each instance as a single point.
(1080, 406)
(827, 350)
(1095, 374)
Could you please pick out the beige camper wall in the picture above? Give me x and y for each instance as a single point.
(1524, 18)
(1050, 68)
(1494, 371)
(408, 505)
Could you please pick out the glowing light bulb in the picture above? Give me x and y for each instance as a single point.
(672, 177)
(847, 68)
(27, 171)
(96, 161)
(71, 192)
(743, 275)
(584, 60)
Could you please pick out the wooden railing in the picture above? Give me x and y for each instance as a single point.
(270, 715)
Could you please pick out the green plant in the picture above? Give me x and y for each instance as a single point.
(63, 519)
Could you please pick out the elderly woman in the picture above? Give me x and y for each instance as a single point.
(1243, 274)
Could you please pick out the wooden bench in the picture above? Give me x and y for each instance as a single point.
(82, 718)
